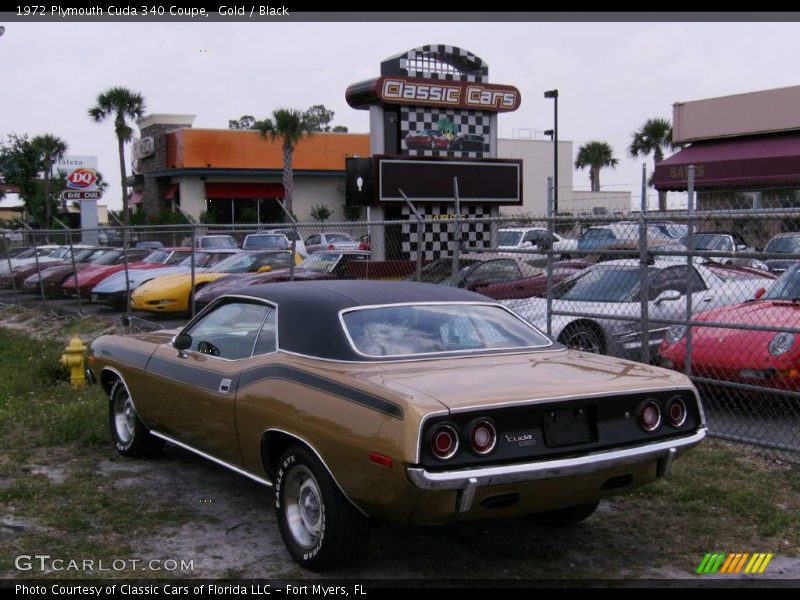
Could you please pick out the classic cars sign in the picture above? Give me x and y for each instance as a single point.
(481, 96)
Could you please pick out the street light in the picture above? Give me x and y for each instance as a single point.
(554, 95)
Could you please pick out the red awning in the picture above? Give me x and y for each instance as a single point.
(173, 189)
(244, 190)
(136, 198)
(745, 161)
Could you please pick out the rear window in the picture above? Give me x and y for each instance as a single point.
(424, 329)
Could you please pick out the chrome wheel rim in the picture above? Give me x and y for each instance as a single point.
(583, 340)
(124, 417)
(304, 508)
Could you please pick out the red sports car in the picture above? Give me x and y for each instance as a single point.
(766, 358)
(427, 139)
(138, 258)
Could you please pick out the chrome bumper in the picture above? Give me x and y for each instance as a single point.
(468, 480)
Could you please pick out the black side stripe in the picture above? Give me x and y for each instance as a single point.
(322, 384)
(131, 358)
(185, 373)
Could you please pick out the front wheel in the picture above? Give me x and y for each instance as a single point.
(319, 526)
(131, 436)
(583, 337)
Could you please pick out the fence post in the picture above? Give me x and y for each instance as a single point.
(41, 282)
(689, 267)
(643, 274)
(11, 275)
(550, 231)
(192, 258)
(125, 264)
(74, 274)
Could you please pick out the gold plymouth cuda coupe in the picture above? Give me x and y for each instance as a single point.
(394, 401)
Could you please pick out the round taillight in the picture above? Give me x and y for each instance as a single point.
(650, 416)
(331, 247)
(444, 442)
(483, 437)
(677, 412)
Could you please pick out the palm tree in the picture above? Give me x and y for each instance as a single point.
(122, 104)
(595, 155)
(51, 149)
(290, 125)
(654, 136)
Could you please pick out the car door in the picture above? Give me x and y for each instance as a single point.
(679, 278)
(192, 393)
(313, 243)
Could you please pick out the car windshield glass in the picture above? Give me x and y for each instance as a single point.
(59, 252)
(27, 254)
(420, 329)
(323, 262)
(109, 258)
(597, 234)
(508, 238)
(85, 254)
(263, 242)
(787, 287)
(784, 245)
(339, 237)
(706, 241)
(205, 259)
(601, 284)
(441, 271)
(159, 257)
(224, 241)
(243, 263)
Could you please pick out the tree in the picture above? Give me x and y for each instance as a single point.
(340, 129)
(654, 136)
(21, 167)
(122, 104)
(243, 122)
(319, 118)
(290, 126)
(50, 149)
(595, 155)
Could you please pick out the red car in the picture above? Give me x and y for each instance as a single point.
(769, 358)
(427, 139)
(138, 258)
(535, 286)
(53, 277)
(23, 272)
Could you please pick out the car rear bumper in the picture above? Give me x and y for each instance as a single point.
(467, 481)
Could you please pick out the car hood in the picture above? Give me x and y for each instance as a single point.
(116, 282)
(780, 264)
(520, 378)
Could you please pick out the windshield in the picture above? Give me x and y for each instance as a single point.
(322, 262)
(441, 271)
(784, 245)
(107, 258)
(787, 287)
(265, 242)
(410, 330)
(339, 237)
(710, 241)
(205, 259)
(222, 241)
(85, 254)
(247, 263)
(508, 238)
(601, 284)
(159, 257)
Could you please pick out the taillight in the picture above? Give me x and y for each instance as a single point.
(676, 412)
(444, 442)
(363, 246)
(483, 437)
(331, 247)
(650, 416)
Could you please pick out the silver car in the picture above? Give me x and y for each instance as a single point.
(332, 240)
(612, 289)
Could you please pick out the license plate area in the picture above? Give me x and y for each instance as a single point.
(569, 426)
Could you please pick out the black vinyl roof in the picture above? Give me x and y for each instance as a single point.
(308, 311)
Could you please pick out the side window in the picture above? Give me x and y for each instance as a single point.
(313, 239)
(229, 331)
(675, 278)
(267, 340)
(495, 271)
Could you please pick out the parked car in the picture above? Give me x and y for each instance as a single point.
(330, 241)
(393, 401)
(215, 241)
(725, 242)
(53, 277)
(477, 270)
(768, 359)
(266, 241)
(173, 293)
(291, 234)
(31, 273)
(783, 243)
(320, 265)
(149, 244)
(598, 294)
(517, 238)
(602, 236)
(426, 139)
(14, 252)
(469, 142)
(11, 236)
(115, 288)
(42, 254)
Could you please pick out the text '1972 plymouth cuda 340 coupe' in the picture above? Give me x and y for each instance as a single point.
(393, 401)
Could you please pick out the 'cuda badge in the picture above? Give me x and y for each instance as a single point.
(524, 439)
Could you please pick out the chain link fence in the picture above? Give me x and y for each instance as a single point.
(712, 293)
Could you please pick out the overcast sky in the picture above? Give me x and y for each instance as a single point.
(611, 77)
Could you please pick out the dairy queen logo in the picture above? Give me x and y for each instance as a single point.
(81, 179)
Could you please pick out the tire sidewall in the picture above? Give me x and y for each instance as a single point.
(122, 447)
(305, 556)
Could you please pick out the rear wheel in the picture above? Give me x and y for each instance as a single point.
(564, 517)
(319, 526)
(583, 337)
(131, 436)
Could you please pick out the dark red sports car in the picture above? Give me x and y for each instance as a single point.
(427, 139)
(766, 358)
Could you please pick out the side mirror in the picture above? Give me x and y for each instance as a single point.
(182, 341)
(741, 247)
(668, 296)
(760, 292)
(266, 269)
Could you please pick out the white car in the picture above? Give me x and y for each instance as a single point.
(215, 242)
(611, 289)
(518, 238)
(291, 234)
(333, 240)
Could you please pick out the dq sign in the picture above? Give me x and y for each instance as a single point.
(80, 172)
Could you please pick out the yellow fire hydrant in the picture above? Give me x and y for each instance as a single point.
(73, 359)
